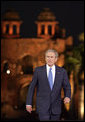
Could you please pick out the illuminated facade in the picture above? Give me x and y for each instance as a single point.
(19, 56)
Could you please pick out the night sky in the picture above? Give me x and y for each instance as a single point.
(70, 15)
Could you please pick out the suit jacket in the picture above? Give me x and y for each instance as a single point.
(46, 98)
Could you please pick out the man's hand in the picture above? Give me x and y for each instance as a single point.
(29, 108)
(66, 100)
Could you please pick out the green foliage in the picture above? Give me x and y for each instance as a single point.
(74, 62)
(81, 37)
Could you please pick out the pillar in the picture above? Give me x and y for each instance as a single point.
(46, 29)
(39, 29)
(18, 29)
(10, 29)
(53, 29)
(3, 28)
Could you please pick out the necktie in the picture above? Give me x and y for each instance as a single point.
(50, 78)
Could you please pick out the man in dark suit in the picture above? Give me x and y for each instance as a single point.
(49, 80)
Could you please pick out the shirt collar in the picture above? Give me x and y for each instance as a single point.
(50, 67)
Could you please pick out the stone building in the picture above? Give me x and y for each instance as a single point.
(20, 56)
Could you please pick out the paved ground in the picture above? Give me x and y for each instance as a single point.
(19, 114)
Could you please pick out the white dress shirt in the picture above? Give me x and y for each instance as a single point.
(53, 71)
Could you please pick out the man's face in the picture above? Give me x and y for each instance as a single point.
(50, 58)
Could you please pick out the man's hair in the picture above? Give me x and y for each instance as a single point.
(52, 50)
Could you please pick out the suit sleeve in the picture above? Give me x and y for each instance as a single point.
(66, 85)
(31, 89)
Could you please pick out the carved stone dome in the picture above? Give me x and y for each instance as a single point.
(46, 15)
(11, 15)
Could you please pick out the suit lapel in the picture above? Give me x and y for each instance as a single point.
(55, 86)
(45, 75)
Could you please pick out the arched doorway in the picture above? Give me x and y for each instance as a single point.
(27, 64)
(5, 67)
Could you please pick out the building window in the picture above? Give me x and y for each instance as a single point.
(43, 30)
(14, 29)
(49, 29)
(7, 28)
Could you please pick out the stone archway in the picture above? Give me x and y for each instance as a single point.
(5, 67)
(27, 64)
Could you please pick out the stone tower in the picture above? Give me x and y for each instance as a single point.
(46, 24)
(11, 24)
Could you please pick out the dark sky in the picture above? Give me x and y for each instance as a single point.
(70, 14)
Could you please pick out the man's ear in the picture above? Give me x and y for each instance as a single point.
(56, 59)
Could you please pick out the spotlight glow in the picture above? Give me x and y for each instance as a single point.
(8, 71)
